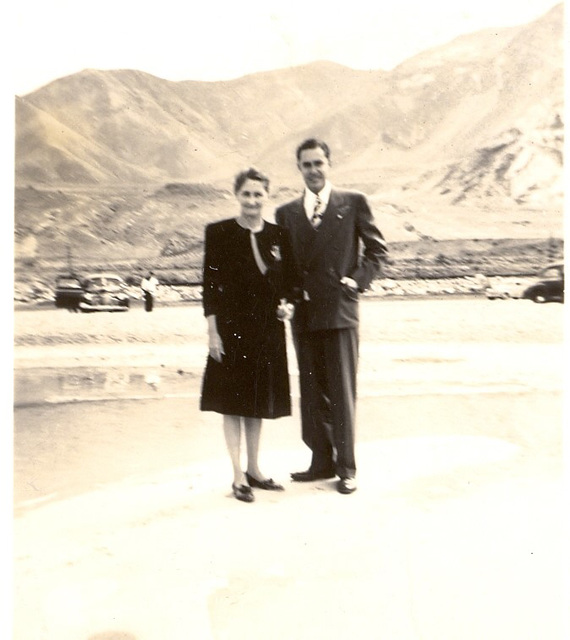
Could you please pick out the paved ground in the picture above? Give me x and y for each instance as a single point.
(125, 527)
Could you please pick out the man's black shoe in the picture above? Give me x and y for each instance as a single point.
(309, 475)
(346, 485)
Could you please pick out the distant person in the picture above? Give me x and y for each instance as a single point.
(327, 228)
(149, 286)
(248, 274)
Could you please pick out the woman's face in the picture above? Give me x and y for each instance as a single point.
(252, 197)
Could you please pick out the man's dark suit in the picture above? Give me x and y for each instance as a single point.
(325, 326)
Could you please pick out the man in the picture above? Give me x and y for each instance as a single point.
(327, 228)
(149, 287)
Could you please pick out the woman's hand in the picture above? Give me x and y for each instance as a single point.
(215, 346)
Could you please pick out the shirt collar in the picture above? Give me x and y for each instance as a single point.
(310, 197)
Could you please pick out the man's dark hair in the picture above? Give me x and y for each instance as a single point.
(314, 143)
(250, 174)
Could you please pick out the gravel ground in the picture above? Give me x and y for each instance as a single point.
(459, 319)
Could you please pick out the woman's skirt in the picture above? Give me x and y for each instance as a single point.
(252, 380)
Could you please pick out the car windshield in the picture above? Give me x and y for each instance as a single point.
(104, 282)
(551, 273)
(70, 283)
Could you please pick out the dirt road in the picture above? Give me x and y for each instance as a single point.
(453, 319)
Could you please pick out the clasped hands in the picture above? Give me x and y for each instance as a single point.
(285, 310)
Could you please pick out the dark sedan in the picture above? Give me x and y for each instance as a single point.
(68, 292)
(549, 285)
(104, 292)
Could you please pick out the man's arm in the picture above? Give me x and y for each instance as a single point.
(375, 247)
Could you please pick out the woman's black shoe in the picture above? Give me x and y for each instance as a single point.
(243, 492)
(268, 485)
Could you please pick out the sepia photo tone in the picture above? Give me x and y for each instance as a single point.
(125, 520)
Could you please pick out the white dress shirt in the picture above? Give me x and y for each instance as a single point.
(311, 198)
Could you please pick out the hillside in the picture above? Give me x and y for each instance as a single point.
(127, 125)
(462, 141)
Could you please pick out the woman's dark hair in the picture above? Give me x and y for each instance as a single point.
(250, 174)
(314, 143)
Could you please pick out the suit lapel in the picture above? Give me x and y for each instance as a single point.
(303, 230)
(332, 218)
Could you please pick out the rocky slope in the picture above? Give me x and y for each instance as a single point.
(460, 142)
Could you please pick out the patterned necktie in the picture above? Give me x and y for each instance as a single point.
(317, 216)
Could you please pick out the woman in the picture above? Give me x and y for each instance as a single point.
(248, 270)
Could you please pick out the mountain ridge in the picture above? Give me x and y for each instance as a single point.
(191, 131)
(461, 139)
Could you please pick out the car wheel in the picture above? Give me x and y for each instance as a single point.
(539, 298)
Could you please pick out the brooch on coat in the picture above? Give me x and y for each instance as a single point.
(276, 252)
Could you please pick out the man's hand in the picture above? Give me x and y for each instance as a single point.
(350, 283)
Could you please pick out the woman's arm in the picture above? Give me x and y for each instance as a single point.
(215, 345)
(211, 285)
(211, 292)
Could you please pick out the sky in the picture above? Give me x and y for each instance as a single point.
(221, 40)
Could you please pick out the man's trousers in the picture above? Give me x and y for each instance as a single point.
(328, 362)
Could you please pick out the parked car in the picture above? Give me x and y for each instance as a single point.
(68, 292)
(505, 288)
(104, 292)
(548, 285)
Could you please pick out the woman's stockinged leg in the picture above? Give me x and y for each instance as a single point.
(254, 475)
(252, 438)
(232, 433)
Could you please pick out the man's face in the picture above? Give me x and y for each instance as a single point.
(314, 167)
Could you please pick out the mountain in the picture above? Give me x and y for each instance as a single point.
(115, 126)
(475, 123)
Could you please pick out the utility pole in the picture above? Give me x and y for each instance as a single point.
(69, 261)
